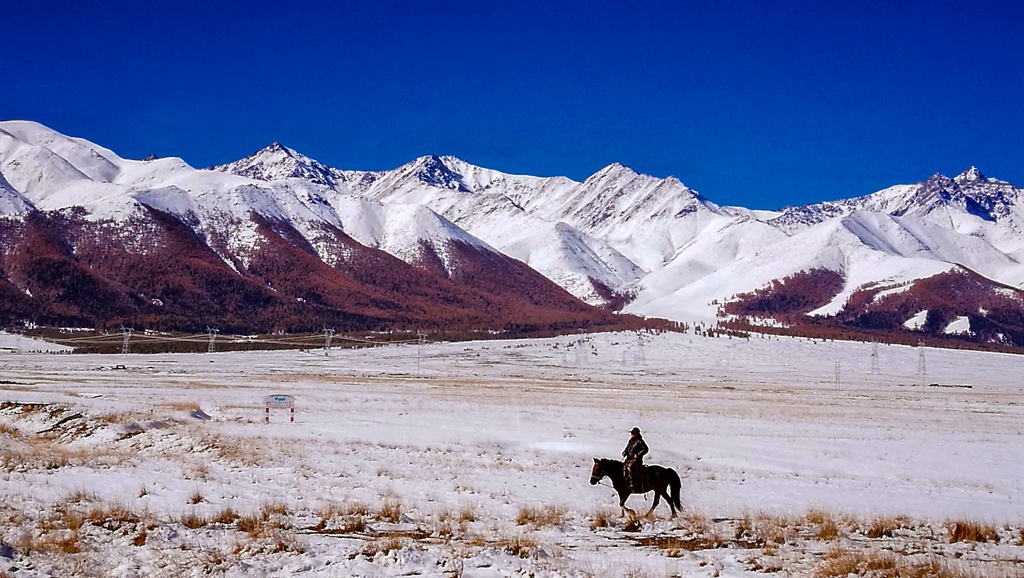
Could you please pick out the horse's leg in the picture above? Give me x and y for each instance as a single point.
(657, 500)
(622, 504)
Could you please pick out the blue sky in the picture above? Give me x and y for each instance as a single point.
(758, 104)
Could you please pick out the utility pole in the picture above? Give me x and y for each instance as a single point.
(127, 333)
(838, 386)
(213, 337)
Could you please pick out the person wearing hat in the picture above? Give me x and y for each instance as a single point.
(634, 453)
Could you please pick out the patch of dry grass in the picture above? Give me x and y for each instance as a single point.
(602, 519)
(773, 529)
(523, 546)
(225, 516)
(10, 430)
(181, 406)
(540, 517)
(382, 546)
(842, 563)
(970, 531)
(885, 526)
(390, 511)
(694, 523)
(271, 517)
(112, 516)
(192, 520)
(827, 528)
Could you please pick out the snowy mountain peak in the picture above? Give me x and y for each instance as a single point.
(433, 171)
(971, 175)
(276, 162)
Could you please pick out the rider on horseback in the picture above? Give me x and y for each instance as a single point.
(633, 468)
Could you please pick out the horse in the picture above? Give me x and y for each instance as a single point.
(659, 480)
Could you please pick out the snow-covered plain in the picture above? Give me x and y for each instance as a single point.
(474, 458)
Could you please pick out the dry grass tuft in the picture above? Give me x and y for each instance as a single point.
(695, 523)
(521, 546)
(112, 517)
(192, 520)
(818, 517)
(969, 531)
(885, 526)
(390, 511)
(81, 497)
(10, 430)
(541, 517)
(382, 546)
(225, 516)
(840, 563)
(271, 517)
(773, 529)
(602, 519)
(196, 498)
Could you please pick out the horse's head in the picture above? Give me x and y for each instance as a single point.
(597, 473)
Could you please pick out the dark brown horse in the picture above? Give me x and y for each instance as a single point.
(659, 480)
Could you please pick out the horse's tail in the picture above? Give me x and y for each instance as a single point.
(675, 484)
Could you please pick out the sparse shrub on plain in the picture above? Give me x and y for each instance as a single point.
(196, 497)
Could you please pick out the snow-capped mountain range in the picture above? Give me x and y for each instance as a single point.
(650, 244)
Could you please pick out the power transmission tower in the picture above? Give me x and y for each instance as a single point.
(421, 338)
(641, 356)
(875, 365)
(580, 358)
(213, 337)
(921, 368)
(127, 333)
(328, 335)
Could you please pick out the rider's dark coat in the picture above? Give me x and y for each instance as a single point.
(635, 449)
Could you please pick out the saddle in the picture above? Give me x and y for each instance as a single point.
(639, 482)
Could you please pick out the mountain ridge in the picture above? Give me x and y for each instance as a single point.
(650, 246)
